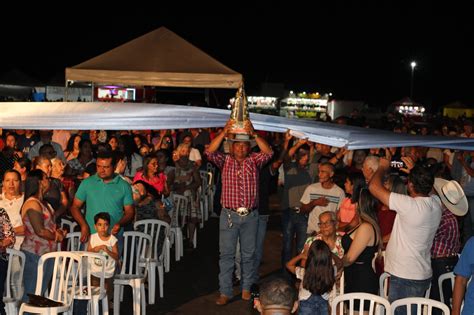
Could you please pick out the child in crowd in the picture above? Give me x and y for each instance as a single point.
(106, 244)
(317, 279)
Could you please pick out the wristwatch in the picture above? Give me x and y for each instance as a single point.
(297, 209)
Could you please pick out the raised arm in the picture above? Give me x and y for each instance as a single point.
(376, 187)
(216, 142)
(262, 143)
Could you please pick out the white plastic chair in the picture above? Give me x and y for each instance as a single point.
(423, 305)
(137, 248)
(85, 290)
(73, 242)
(65, 270)
(338, 290)
(154, 228)
(11, 299)
(68, 225)
(441, 279)
(384, 287)
(376, 303)
(180, 208)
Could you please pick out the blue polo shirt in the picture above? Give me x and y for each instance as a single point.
(465, 268)
(108, 197)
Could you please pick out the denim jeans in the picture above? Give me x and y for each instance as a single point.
(401, 288)
(31, 271)
(314, 305)
(245, 229)
(261, 231)
(292, 223)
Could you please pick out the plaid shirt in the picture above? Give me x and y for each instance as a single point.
(239, 180)
(446, 241)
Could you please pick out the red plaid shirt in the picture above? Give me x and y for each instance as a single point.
(239, 180)
(446, 241)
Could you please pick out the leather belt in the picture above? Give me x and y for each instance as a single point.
(242, 211)
(445, 256)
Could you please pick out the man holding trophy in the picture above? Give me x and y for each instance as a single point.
(240, 180)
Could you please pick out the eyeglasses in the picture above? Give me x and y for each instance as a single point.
(325, 224)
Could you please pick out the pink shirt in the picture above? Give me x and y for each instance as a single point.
(158, 181)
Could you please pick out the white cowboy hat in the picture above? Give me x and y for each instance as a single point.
(242, 137)
(452, 195)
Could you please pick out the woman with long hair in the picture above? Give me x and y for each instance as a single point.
(360, 246)
(72, 148)
(347, 212)
(317, 278)
(41, 234)
(152, 175)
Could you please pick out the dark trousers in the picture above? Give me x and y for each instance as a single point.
(440, 266)
(3, 276)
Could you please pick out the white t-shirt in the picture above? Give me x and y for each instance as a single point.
(335, 195)
(95, 264)
(194, 155)
(13, 209)
(408, 251)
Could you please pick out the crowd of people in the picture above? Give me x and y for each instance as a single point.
(409, 209)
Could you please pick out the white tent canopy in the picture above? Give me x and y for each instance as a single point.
(139, 116)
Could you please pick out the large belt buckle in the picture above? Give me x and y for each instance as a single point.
(242, 211)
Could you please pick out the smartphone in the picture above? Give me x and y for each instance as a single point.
(397, 164)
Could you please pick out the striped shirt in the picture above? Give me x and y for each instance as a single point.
(446, 241)
(239, 180)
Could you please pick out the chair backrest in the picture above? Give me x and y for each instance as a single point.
(153, 228)
(10, 280)
(445, 276)
(68, 225)
(137, 247)
(180, 209)
(84, 282)
(384, 286)
(422, 305)
(73, 241)
(376, 303)
(65, 271)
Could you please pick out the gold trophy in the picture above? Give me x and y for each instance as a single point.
(240, 112)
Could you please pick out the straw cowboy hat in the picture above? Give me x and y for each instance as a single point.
(452, 195)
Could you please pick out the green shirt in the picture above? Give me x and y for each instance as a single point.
(108, 197)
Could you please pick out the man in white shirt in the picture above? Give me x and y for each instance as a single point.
(407, 257)
(320, 197)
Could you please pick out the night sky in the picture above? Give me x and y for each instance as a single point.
(357, 52)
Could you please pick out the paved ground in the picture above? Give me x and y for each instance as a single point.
(191, 286)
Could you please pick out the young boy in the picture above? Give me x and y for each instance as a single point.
(106, 244)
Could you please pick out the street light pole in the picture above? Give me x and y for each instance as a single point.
(413, 65)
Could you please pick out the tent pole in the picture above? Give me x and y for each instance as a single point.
(92, 92)
(66, 91)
